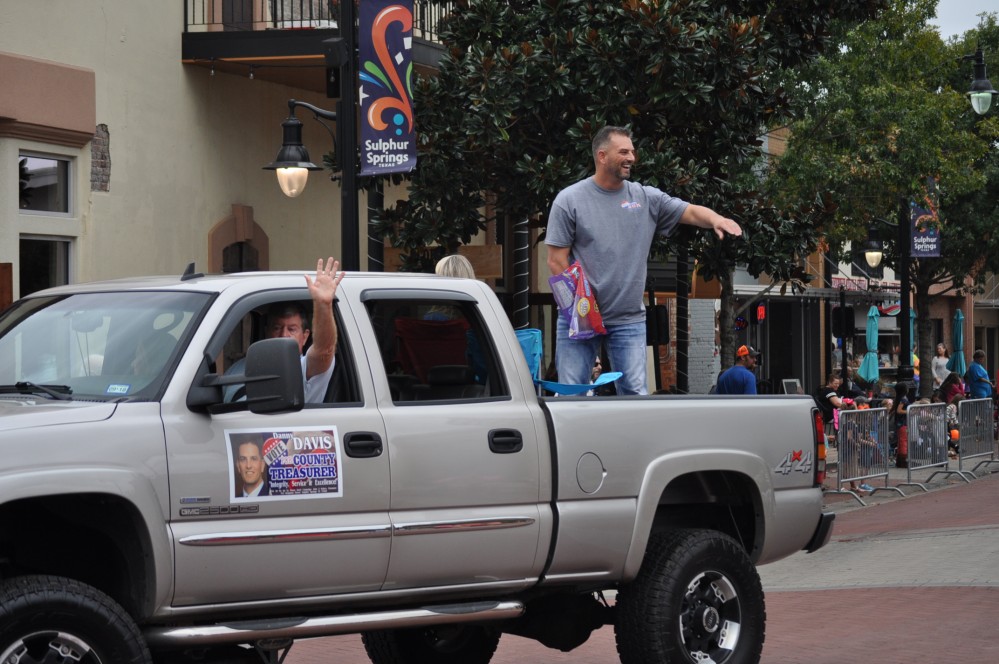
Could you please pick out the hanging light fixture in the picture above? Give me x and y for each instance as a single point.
(981, 88)
(873, 251)
(292, 164)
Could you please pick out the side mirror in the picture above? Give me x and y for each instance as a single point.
(274, 376)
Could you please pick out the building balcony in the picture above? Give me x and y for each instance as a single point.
(282, 40)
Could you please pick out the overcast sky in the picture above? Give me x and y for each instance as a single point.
(955, 17)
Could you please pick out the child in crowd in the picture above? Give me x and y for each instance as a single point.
(954, 436)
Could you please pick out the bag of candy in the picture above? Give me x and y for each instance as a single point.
(577, 303)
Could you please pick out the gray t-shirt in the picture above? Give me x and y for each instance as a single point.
(610, 233)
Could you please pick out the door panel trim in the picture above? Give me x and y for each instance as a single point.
(271, 536)
(461, 525)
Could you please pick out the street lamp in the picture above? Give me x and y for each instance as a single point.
(981, 88)
(292, 164)
(873, 252)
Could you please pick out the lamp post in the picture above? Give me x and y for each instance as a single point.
(905, 369)
(292, 164)
(843, 323)
(873, 254)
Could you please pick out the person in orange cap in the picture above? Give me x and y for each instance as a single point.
(739, 378)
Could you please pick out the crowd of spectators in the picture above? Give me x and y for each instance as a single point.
(949, 387)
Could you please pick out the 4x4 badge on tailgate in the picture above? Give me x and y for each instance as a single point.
(798, 461)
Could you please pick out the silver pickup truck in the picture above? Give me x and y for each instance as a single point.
(159, 504)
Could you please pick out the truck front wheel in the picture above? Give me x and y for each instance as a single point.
(446, 644)
(697, 598)
(53, 620)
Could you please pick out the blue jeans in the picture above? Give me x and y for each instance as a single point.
(625, 350)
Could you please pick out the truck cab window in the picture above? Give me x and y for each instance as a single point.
(98, 346)
(271, 319)
(434, 350)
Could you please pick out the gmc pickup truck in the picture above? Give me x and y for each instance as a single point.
(156, 506)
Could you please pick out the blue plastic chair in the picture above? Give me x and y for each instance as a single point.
(531, 343)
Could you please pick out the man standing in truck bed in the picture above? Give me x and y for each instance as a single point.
(607, 223)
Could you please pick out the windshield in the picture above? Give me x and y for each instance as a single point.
(98, 345)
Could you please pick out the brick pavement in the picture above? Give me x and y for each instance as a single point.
(815, 616)
(933, 598)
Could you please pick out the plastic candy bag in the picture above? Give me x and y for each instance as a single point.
(577, 303)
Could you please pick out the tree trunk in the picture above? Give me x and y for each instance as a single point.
(682, 319)
(924, 334)
(726, 320)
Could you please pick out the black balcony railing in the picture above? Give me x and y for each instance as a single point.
(251, 15)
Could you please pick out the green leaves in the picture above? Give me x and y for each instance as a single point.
(885, 117)
(525, 84)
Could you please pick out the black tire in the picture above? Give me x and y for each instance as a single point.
(53, 620)
(445, 644)
(697, 597)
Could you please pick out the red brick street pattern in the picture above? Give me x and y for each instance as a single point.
(890, 624)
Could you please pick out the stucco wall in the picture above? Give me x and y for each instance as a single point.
(184, 145)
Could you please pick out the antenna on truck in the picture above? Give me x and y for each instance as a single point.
(189, 273)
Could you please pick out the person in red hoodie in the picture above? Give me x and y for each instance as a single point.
(951, 387)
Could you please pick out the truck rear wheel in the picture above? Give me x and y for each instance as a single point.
(446, 644)
(697, 598)
(54, 620)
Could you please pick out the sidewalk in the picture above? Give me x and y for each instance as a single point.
(902, 479)
(909, 581)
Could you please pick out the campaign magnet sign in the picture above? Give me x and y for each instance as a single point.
(268, 465)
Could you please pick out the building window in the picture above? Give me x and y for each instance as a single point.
(44, 263)
(43, 183)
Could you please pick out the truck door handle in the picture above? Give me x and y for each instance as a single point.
(362, 444)
(505, 441)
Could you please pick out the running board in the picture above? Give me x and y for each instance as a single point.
(249, 631)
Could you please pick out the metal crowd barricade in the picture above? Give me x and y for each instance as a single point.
(927, 424)
(862, 445)
(974, 418)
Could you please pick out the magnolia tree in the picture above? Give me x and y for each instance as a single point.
(888, 112)
(523, 86)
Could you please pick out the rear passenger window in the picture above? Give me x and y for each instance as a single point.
(435, 350)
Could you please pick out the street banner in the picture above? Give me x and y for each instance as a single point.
(385, 48)
(925, 232)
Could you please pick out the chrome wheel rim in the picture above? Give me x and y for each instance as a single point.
(49, 647)
(710, 618)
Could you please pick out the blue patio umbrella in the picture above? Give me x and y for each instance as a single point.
(957, 363)
(868, 370)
